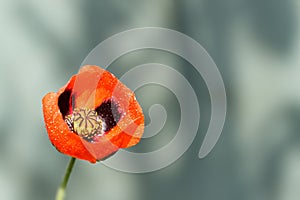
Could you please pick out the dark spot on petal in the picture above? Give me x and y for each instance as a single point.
(64, 102)
(72, 101)
(110, 113)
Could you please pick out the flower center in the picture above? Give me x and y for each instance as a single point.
(85, 122)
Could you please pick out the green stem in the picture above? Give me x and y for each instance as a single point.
(60, 194)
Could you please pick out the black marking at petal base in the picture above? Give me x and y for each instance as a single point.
(73, 100)
(110, 113)
(64, 101)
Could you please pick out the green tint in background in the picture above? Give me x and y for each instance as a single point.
(256, 46)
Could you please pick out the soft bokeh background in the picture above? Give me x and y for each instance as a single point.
(256, 46)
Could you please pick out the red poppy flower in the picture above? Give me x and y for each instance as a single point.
(93, 115)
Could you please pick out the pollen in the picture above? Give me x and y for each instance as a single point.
(86, 123)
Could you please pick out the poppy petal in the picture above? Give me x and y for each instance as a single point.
(59, 134)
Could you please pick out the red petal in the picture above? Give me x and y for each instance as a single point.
(59, 134)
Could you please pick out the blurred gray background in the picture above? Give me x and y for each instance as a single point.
(256, 46)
